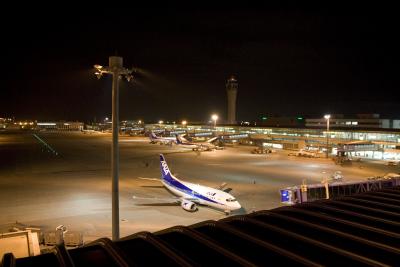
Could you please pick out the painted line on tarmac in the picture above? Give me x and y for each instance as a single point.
(45, 144)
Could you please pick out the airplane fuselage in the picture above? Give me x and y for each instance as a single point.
(195, 145)
(203, 194)
(161, 140)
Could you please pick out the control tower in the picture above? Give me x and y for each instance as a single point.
(231, 90)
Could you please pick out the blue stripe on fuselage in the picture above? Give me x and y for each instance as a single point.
(183, 188)
(171, 181)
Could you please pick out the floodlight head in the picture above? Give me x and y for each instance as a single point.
(327, 116)
(129, 77)
(98, 74)
(97, 66)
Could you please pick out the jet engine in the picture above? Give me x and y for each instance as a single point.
(188, 205)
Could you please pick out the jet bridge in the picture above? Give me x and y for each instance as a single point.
(311, 192)
(357, 146)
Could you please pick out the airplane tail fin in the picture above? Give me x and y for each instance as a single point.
(152, 136)
(178, 139)
(212, 139)
(183, 139)
(165, 172)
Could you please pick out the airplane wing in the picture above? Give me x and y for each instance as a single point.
(195, 200)
(154, 201)
(222, 186)
(146, 201)
(161, 204)
(150, 179)
(227, 190)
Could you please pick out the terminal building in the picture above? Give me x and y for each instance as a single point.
(60, 126)
(369, 143)
(359, 121)
(11, 124)
(277, 121)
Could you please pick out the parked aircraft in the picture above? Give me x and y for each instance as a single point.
(197, 146)
(190, 195)
(154, 139)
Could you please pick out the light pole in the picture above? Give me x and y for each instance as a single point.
(184, 123)
(214, 117)
(327, 117)
(117, 70)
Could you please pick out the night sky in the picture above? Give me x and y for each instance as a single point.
(288, 62)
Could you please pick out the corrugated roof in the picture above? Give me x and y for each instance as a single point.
(362, 229)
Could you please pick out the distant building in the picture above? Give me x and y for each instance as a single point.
(381, 144)
(2, 123)
(60, 126)
(11, 124)
(362, 121)
(5, 122)
(272, 121)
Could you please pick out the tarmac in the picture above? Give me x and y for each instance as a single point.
(41, 188)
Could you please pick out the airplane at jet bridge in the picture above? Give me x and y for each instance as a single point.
(197, 146)
(154, 139)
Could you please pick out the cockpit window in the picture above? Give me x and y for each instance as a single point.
(230, 199)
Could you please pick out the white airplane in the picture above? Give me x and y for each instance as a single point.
(154, 139)
(189, 195)
(195, 146)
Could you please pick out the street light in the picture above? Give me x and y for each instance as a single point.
(214, 117)
(327, 117)
(117, 70)
(184, 123)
